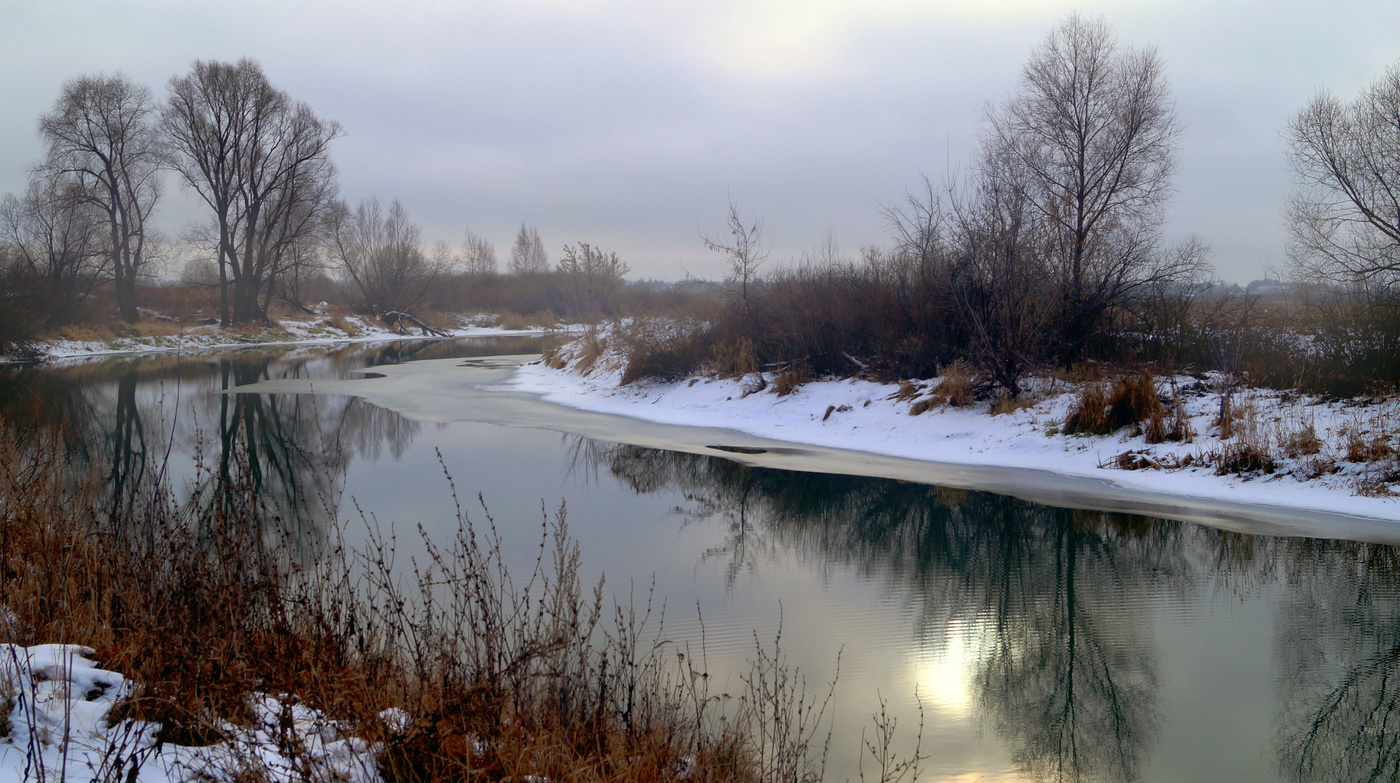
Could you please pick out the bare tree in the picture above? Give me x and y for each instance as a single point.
(301, 272)
(593, 278)
(260, 161)
(443, 258)
(1091, 140)
(103, 147)
(478, 255)
(744, 252)
(1344, 214)
(382, 255)
(528, 257)
(57, 248)
(999, 268)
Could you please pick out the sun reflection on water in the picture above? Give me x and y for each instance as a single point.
(942, 674)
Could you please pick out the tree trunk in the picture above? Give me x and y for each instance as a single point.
(126, 299)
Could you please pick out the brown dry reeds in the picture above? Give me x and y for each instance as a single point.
(790, 378)
(1100, 411)
(733, 358)
(954, 387)
(1088, 414)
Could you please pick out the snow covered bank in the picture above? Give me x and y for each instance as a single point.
(290, 331)
(1334, 456)
(54, 702)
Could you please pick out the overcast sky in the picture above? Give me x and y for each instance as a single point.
(630, 125)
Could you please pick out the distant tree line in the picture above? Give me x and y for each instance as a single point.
(274, 229)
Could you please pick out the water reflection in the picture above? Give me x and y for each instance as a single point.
(1339, 664)
(134, 421)
(1065, 668)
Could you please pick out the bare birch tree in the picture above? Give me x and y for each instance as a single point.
(528, 256)
(103, 149)
(478, 255)
(593, 278)
(1344, 213)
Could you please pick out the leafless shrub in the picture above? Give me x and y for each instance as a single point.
(890, 766)
(789, 728)
(655, 349)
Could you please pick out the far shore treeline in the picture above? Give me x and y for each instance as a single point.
(1049, 248)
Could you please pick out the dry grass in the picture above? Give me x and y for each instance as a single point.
(349, 327)
(1088, 414)
(1005, 404)
(656, 349)
(541, 319)
(1243, 456)
(203, 605)
(908, 390)
(733, 358)
(1100, 410)
(1250, 449)
(85, 333)
(954, 387)
(790, 378)
(1368, 446)
(1299, 441)
(589, 352)
(1174, 425)
(1081, 373)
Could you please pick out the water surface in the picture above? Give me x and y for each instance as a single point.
(1044, 642)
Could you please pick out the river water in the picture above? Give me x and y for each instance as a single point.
(1043, 642)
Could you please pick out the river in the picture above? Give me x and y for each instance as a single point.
(1043, 642)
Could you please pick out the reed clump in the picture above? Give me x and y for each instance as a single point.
(790, 378)
(1101, 410)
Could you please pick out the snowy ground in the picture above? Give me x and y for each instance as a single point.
(299, 330)
(54, 702)
(1322, 472)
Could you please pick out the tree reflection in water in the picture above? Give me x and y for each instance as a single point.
(1339, 655)
(1066, 671)
(123, 418)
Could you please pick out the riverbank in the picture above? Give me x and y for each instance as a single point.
(1278, 449)
(158, 336)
